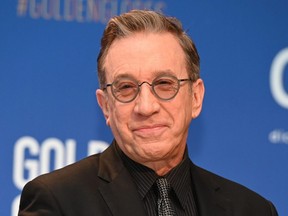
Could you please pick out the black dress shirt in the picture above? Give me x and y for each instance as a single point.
(182, 197)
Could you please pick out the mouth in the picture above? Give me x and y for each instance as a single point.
(150, 131)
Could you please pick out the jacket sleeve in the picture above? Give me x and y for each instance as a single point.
(37, 199)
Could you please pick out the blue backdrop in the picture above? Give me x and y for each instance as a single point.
(48, 112)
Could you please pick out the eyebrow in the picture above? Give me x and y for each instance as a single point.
(167, 72)
(154, 74)
(124, 75)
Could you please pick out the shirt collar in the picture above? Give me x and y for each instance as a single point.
(144, 177)
(180, 180)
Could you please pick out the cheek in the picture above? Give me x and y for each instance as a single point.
(182, 111)
(119, 117)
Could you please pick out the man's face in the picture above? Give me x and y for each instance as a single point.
(149, 129)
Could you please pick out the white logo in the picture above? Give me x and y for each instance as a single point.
(32, 158)
(277, 84)
(82, 10)
(278, 136)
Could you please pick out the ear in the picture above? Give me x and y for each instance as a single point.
(102, 100)
(198, 96)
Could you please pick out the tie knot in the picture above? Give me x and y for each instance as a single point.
(163, 187)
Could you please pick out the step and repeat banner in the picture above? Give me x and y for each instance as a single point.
(49, 116)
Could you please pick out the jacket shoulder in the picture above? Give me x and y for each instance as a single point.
(241, 198)
(82, 171)
(72, 190)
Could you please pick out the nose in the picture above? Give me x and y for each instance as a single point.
(146, 103)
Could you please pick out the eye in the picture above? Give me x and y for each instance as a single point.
(125, 85)
(124, 88)
(165, 83)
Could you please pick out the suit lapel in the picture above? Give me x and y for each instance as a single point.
(120, 193)
(122, 198)
(209, 199)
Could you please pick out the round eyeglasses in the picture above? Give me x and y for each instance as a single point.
(126, 90)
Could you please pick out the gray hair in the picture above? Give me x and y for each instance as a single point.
(147, 21)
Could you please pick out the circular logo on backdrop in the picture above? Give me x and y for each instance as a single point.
(279, 91)
(277, 84)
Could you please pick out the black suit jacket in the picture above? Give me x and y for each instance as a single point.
(101, 185)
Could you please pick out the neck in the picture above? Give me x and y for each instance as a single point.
(163, 167)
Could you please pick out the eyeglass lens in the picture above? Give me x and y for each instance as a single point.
(126, 90)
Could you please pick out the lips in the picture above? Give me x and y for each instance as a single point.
(150, 130)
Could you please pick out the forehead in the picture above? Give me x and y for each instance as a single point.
(144, 55)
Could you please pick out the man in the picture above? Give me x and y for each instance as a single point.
(150, 91)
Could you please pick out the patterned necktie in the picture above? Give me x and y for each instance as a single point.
(164, 203)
